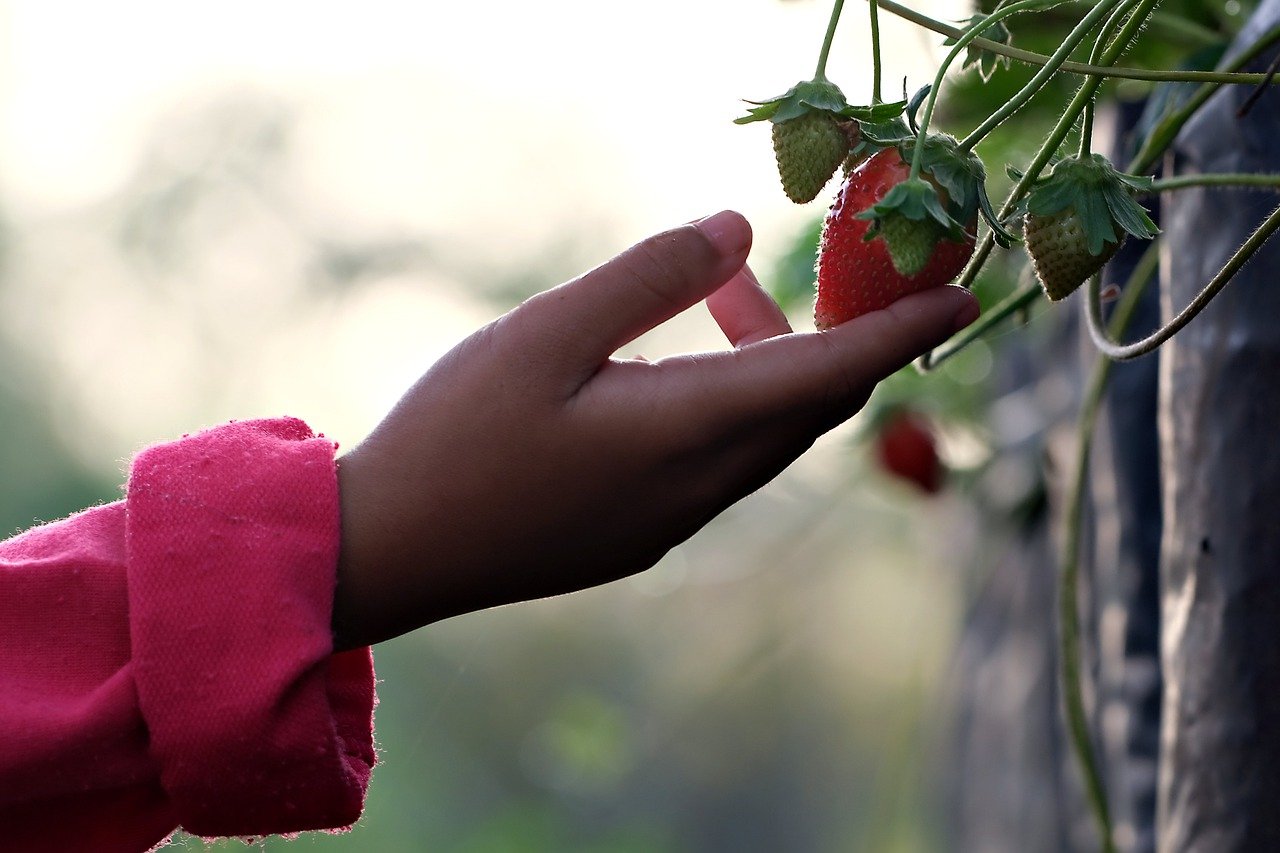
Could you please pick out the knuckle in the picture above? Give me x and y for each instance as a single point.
(664, 264)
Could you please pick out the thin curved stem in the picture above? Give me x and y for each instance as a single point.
(1127, 352)
(1032, 58)
(1005, 308)
(963, 42)
(1082, 97)
(1086, 122)
(1243, 180)
(821, 72)
(1041, 77)
(875, 52)
(1069, 578)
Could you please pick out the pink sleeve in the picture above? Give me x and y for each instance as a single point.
(168, 659)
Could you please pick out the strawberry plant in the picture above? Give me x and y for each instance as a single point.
(913, 209)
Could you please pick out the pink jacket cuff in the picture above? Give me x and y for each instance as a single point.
(256, 726)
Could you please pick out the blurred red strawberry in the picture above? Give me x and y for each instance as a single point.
(906, 448)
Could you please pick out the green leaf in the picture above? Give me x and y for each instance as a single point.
(985, 60)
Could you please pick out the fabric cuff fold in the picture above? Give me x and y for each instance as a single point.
(258, 727)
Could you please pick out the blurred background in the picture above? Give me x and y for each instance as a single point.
(251, 209)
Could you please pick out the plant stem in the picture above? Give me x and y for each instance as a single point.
(1162, 136)
(1077, 35)
(1069, 579)
(963, 42)
(1032, 58)
(1086, 125)
(998, 313)
(875, 52)
(1127, 352)
(1082, 97)
(821, 73)
(1217, 179)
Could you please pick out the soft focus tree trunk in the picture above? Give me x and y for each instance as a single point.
(1180, 557)
(1220, 460)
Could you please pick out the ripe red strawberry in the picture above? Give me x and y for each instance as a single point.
(856, 276)
(905, 447)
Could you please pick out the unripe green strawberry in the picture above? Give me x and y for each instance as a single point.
(809, 149)
(1059, 250)
(910, 241)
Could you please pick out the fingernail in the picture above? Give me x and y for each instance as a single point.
(728, 231)
(968, 312)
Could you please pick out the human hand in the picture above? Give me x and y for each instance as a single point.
(529, 462)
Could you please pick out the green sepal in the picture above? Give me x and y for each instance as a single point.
(875, 113)
(960, 173)
(985, 60)
(817, 95)
(914, 104)
(1003, 236)
(1101, 196)
(877, 136)
(915, 199)
(887, 134)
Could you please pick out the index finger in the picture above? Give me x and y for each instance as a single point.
(833, 371)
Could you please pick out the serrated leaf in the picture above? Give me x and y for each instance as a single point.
(986, 61)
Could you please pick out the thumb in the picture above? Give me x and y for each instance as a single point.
(589, 318)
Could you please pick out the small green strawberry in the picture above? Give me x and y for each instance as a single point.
(1076, 219)
(808, 149)
(814, 129)
(1059, 249)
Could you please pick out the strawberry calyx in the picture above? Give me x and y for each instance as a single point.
(820, 96)
(814, 130)
(1101, 196)
(915, 199)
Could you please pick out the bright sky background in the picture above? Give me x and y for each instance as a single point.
(528, 121)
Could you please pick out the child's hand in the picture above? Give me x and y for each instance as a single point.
(527, 462)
